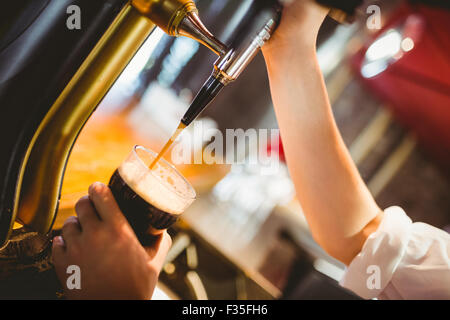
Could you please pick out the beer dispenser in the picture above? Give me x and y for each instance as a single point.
(53, 75)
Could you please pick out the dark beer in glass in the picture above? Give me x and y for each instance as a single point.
(151, 200)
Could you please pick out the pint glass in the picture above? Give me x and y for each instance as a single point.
(151, 200)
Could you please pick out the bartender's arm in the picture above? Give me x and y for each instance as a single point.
(342, 214)
(340, 210)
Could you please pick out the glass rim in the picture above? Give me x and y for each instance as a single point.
(166, 163)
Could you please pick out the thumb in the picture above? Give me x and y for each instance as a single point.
(158, 251)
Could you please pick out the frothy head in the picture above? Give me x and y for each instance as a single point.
(163, 187)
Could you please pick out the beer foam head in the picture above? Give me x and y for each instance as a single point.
(162, 187)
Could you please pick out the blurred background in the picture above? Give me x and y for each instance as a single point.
(245, 236)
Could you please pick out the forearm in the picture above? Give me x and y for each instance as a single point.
(338, 206)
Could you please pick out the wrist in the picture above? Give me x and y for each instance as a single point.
(281, 59)
(277, 51)
(288, 51)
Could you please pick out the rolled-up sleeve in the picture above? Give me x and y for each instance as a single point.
(401, 260)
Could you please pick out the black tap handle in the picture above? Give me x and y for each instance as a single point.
(207, 94)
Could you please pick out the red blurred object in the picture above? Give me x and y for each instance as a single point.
(415, 83)
(276, 145)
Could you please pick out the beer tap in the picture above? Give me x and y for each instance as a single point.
(262, 21)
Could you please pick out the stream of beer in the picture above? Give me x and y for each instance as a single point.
(177, 132)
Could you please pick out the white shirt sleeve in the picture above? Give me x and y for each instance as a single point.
(401, 260)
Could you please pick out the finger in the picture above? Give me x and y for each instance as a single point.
(58, 253)
(58, 247)
(105, 204)
(159, 250)
(87, 216)
(70, 230)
